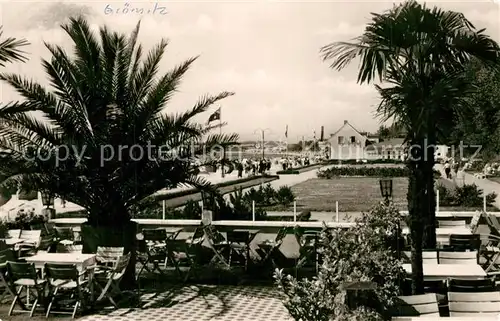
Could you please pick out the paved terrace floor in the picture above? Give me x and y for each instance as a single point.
(203, 303)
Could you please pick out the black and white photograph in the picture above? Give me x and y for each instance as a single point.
(260, 160)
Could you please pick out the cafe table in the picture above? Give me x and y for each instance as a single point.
(82, 261)
(441, 272)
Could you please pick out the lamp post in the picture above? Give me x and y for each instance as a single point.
(386, 189)
(263, 137)
(48, 201)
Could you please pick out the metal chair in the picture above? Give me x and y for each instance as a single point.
(23, 275)
(64, 281)
(308, 241)
(188, 252)
(153, 250)
(239, 247)
(6, 256)
(465, 285)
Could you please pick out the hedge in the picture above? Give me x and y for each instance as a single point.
(298, 170)
(364, 171)
(366, 162)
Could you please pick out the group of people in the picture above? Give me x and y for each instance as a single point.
(253, 166)
(291, 162)
(449, 167)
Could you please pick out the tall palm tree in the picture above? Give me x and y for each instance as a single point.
(105, 140)
(10, 51)
(419, 54)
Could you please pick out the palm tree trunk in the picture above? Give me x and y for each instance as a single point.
(416, 198)
(429, 240)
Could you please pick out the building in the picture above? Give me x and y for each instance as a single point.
(348, 143)
(393, 148)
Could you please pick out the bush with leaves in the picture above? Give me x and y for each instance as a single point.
(363, 171)
(468, 195)
(25, 219)
(363, 253)
(284, 196)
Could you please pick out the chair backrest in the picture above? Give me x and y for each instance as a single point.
(121, 266)
(6, 256)
(15, 234)
(462, 242)
(464, 285)
(238, 236)
(64, 233)
(458, 257)
(474, 223)
(108, 254)
(461, 223)
(61, 271)
(214, 235)
(21, 270)
(418, 305)
(154, 235)
(281, 234)
(3, 245)
(45, 243)
(31, 235)
(428, 257)
(73, 248)
(198, 235)
(493, 224)
(474, 304)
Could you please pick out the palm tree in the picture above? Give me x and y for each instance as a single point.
(419, 54)
(104, 140)
(10, 51)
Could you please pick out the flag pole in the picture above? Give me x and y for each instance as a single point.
(223, 147)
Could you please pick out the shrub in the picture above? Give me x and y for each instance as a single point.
(468, 195)
(26, 219)
(284, 196)
(288, 172)
(363, 171)
(363, 253)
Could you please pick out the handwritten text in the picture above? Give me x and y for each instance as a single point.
(128, 9)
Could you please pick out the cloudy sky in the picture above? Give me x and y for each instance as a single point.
(267, 52)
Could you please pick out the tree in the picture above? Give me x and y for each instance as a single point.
(105, 142)
(480, 123)
(420, 55)
(10, 51)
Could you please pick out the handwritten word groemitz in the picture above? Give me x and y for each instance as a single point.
(128, 9)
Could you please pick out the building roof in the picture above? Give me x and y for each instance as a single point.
(346, 123)
(393, 142)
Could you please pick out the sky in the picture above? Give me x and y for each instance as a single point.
(267, 52)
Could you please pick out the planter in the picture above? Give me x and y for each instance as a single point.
(115, 236)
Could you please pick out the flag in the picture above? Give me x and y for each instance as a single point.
(286, 131)
(314, 134)
(215, 116)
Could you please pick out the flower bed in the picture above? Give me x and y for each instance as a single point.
(363, 171)
(298, 170)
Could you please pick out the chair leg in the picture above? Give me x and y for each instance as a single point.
(33, 308)
(77, 304)
(51, 302)
(18, 294)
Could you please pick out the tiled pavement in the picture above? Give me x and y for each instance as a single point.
(203, 303)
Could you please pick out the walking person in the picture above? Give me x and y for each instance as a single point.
(447, 170)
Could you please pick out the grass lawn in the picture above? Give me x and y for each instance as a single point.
(354, 194)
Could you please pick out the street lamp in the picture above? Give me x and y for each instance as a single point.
(47, 199)
(386, 189)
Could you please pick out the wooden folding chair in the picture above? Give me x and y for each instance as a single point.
(14, 234)
(65, 282)
(23, 276)
(446, 257)
(478, 304)
(108, 255)
(268, 249)
(219, 246)
(307, 241)
(153, 250)
(423, 305)
(188, 251)
(31, 240)
(6, 256)
(109, 281)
